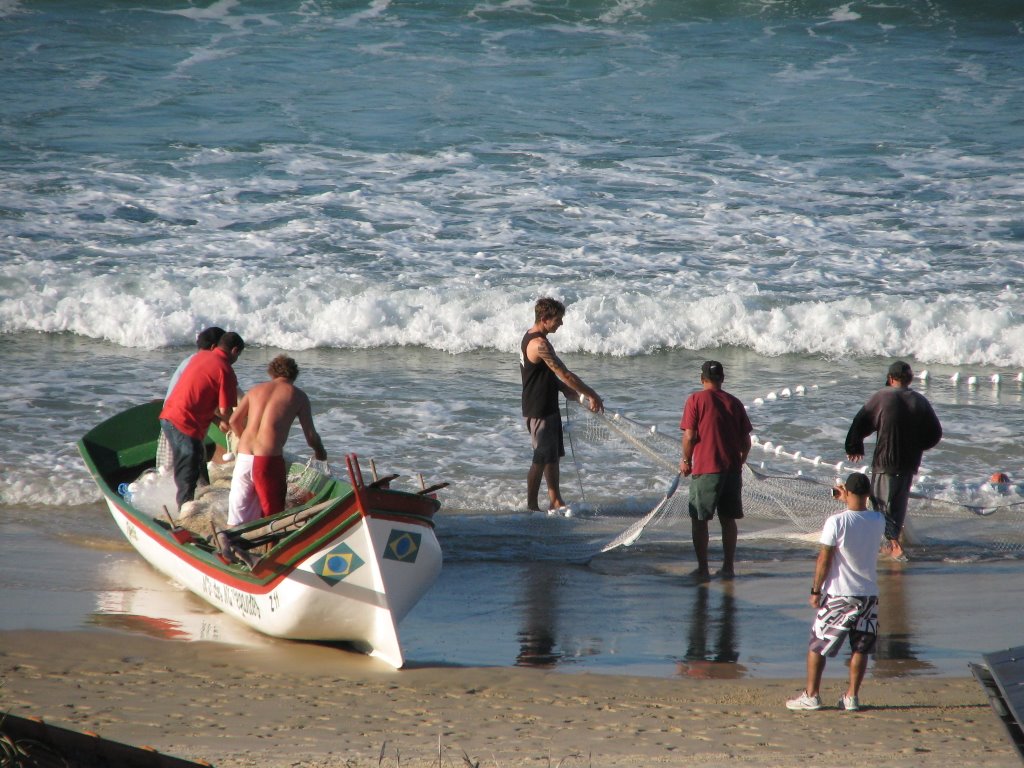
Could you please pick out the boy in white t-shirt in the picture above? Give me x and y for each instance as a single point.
(845, 592)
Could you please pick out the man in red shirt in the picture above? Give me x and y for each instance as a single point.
(716, 441)
(207, 391)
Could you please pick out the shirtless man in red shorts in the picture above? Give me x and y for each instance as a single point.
(263, 420)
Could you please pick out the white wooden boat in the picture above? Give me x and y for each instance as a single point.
(345, 565)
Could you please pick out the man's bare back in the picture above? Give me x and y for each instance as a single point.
(266, 414)
(262, 420)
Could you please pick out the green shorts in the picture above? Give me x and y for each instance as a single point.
(719, 492)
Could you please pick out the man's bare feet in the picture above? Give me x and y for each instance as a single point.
(894, 549)
(700, 575)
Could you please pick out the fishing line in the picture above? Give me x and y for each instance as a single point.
(572, 450)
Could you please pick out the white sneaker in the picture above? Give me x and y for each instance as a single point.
(849, 703)
(803, 701)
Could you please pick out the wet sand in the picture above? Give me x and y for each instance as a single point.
(318, 706)
(636, 614)
(93, 639)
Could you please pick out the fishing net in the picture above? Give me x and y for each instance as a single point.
(786, 496)
(630, 490)
(164, 458)
(305, 481)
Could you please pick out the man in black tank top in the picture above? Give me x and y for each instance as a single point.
(544, 376)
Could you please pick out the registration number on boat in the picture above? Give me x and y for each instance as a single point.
(231, 597)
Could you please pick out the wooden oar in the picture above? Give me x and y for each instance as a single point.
(283, 524)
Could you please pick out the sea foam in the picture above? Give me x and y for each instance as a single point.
(304, 310)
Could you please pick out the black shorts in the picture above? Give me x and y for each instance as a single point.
(546, 438)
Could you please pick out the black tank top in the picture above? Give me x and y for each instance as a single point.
(540, 385)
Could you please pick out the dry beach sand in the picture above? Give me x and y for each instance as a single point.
(322, 706)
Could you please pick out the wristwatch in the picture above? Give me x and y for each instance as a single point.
(816, 592)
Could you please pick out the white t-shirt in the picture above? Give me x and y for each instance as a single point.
(856, 537)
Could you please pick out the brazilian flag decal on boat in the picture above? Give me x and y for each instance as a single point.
(338, 564)
(402, 546)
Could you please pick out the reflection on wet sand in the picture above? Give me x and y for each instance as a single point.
(895, 653)
(538, 645)
(156, 607)
(712, 642)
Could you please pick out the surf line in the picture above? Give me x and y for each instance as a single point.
(769, 447)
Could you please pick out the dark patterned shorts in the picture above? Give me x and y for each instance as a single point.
(842, 617)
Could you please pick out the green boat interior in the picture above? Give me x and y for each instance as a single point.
(122, 448)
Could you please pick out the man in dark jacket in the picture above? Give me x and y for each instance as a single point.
(906, 427)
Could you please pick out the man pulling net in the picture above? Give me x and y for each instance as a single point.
(620, 458)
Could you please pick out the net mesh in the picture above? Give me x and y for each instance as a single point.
(787, 501)
(307, 480)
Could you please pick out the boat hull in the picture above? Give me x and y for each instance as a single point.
(350, 573)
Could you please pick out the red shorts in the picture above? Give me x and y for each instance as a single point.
(270, 479)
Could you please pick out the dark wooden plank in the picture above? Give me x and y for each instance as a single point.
(50, 745)
(1002, 678)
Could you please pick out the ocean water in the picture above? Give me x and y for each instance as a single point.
(803, 190)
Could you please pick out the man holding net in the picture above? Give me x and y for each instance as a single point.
(716, 441)
(205, 394)
(544, 376)
(206, 340)
(263, 419)
(905, 426)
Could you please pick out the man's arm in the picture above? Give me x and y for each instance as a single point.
(312, 436)
(745, 449)
(821, 570)
(862, 426)
(931, 432)
(228, 400)
(222, 416)
(570, 384)
(237, 419)
(686, 462)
